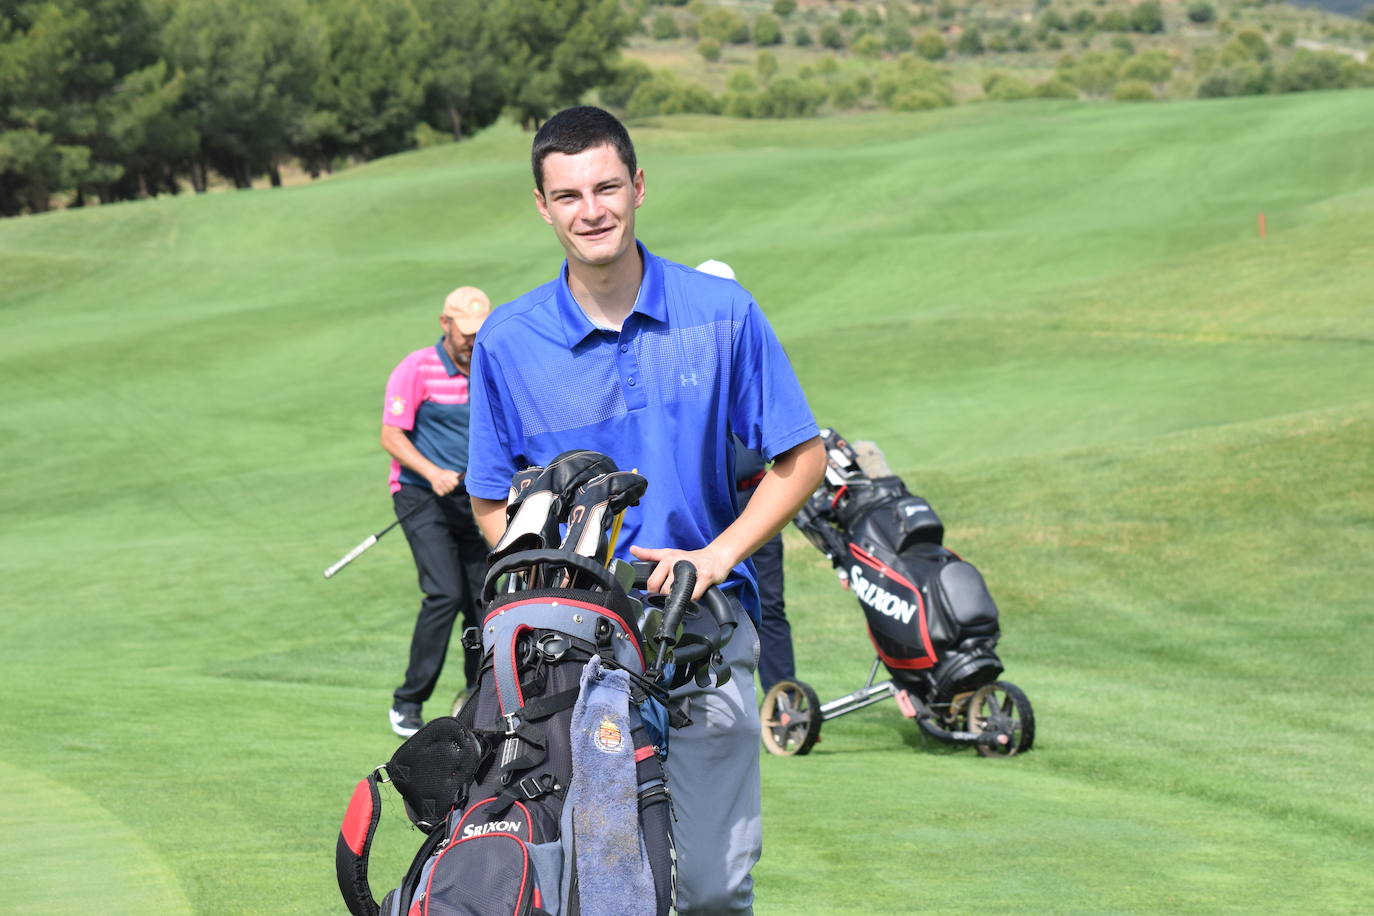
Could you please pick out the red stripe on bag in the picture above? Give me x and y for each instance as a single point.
(357, 818)
(882, 568)
(644, 753)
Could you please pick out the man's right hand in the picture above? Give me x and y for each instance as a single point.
(443, 481)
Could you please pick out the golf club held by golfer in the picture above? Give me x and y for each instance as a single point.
(374, 538)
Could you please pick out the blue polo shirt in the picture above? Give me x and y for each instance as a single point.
(694, 362)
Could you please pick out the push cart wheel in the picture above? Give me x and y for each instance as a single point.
(791, 718)
(1002, 707)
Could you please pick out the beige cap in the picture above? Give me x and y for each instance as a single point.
(468, 307)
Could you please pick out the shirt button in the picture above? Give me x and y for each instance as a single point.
(632, 381)
(624, 348)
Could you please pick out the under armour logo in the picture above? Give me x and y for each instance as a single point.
(687, 378)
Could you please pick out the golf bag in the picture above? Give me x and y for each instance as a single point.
(929, 613)
(545, 794)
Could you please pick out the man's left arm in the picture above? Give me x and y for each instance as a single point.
(794, 476)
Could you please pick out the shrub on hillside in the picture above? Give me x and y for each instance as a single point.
(1123, 44)
(802, 37)
(832, 36)
(849, 17)
(1003, 87)
(709, 49)
(913, 84)
(1056, 88)
(1095, 73)
(665, 94)
(1133, 91)
(739, 104)
(1247, 45)
(767, 30)
(788, 97)
(897, 38)
(1308, 70)
(1201, 12)
(845, 95)
(970, 42)
(741, 82)
(1287, 38)
(1051, 21)
(919, 100)
(784, 7)
(1115, 20)
(766, 65)
(664, 27)
(1082, 21)
(931, 45)
(1147, 17)
(723, 25)
(1153, 66)
(868, 46)
(1245, 78)
(628, 77)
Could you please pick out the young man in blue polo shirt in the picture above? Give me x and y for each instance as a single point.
(656, 365)
(425, 430)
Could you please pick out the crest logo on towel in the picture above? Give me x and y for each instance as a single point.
(397, 406)
(608, 737)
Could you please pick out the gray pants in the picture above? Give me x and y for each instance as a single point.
(713, 773)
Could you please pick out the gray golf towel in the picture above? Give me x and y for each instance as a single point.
(603, 803)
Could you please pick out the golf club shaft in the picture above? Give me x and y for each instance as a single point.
(374, 538)
(351, 555)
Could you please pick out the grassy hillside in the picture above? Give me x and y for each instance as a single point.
(838, 54)
(1148, 426)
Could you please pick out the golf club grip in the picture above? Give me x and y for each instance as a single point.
(350, 556)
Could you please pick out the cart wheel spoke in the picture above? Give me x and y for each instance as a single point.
(791, 718)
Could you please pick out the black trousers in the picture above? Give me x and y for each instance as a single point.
(775, 633)
(450, 557)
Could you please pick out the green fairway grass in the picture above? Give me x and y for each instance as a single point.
(1150, 428)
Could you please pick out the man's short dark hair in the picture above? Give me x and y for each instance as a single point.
(574, 130)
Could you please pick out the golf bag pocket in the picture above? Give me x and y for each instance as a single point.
(483, 874)
(964, 596)
(914, 522)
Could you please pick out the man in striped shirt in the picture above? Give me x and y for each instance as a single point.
(425, 430)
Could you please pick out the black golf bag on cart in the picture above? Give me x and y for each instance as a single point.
(930, 616)
(545, 793)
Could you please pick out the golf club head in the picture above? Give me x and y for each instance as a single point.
(841, 461)
(598, 501)
(540, 497)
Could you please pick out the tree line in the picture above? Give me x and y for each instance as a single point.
(117, 99)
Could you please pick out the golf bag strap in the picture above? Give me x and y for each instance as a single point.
(355, 843)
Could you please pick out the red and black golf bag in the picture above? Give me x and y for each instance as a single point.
(929, 613)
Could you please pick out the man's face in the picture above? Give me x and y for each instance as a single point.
(458, 344)
(590, 200)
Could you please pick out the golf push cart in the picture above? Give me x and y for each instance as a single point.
(929, 615)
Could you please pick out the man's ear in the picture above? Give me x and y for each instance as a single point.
(638, 183)
(542, 206)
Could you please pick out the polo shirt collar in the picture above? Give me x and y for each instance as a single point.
(449, 365)
(649, 303)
